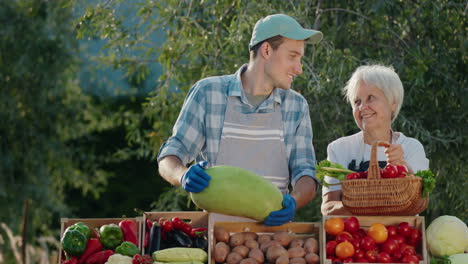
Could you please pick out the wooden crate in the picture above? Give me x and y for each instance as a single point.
(95, 223)
(300, 230)
(195, 218)
(366, 221)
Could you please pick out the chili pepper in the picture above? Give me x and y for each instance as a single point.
(82, 227)
(186, 228)
(155, 239)
(197, 231)
(74, 242)
(177, 223)
(129, 229)
(72, 260)
(93, 246)
(127, 248)
(99, 257)
(111, 236)
(139, 259)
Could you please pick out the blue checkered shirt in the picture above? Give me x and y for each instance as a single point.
(197, 132)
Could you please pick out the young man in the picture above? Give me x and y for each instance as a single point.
(251, 119)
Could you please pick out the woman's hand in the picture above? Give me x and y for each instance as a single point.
(395, 155)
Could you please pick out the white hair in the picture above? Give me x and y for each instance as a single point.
(384, 78)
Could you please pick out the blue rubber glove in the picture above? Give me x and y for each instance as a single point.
(284, 215)
(195, 178)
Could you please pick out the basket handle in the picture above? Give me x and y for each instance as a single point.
(374, 169)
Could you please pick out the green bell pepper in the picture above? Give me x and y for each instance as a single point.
(74, 242)
(82, 227)
(110, 235)
(127, 249)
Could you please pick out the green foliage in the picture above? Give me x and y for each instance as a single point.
(423, 40)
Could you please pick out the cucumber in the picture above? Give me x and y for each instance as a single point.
(180, 254)
(239, 192)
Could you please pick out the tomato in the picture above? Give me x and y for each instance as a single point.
(378, 232)
(362, 233)
(371, 255)
(330, 247)
(415, 237)
(407, 249)
(398, 239)
(177, 223)
(353, 176)
(351, 224)
(367, 243)
(344, 250)
(356, 243)
(334, 225)
(384, 257)
(402, 171)
(390, 171)
(187, 228)
(364, 174)
(391, 230)
(359, 253)
(397, 255)
(389, 246)
(166, 225)
(361, 260)
(413, 259)
(404, 229)
(343, 236)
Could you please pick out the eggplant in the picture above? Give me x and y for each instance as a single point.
(200, 242)
(180, 238)
(155, 239)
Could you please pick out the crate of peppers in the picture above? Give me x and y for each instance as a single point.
(99, 240)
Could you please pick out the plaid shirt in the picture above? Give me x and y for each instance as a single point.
(197, 132)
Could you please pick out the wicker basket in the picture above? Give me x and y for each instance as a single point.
(376, 196)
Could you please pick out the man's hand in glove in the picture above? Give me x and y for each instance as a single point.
(284, 215)
(195, 178)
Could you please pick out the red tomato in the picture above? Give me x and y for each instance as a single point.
(362, 233)
(413, 259)
(378, 232)
(344, 250)
(398, 239)
(371, 255)
(356, 243)
(415, 237)
(384, 257)
(391, 230)
(404, 229)
(389, 246)
(402, 171)
(166, 225)
(353, 176)
(334, 225)
(330, 247)
(397, 255)
(361, 260)
(407, 249)
(359, 253)
(367, 243)
(351, 224)
(364, 174)
(177, 223)
(187, 228)
(390, 171)
(348, 260)
(343, 236)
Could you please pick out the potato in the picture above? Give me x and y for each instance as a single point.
(257, 254)
(296, 243)
(297, 261)
(250, 235)
(248, 261)
(236, 239)
(275, 252)
(283, 237)
(282, 260)
(311, 245)
(262, 239)
(312, 258)
(250, 243)
(221, 234)
(296, 252)
(264, 247)
(233, 258)
(242, 250)
(221, 251)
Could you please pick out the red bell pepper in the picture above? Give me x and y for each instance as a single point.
(93, 246)
(72, 260)
(129, 229)
(99, 257)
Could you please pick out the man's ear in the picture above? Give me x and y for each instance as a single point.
(265, 50)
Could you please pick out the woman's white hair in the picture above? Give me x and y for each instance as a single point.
(383, 77)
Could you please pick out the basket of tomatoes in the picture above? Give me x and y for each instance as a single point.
(374, 239)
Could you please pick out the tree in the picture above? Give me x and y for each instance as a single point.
(423, 40)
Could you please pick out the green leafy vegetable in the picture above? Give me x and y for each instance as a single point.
(440, 260)
(327, 168)
(428, 180)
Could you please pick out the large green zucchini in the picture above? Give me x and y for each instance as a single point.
(239, 192)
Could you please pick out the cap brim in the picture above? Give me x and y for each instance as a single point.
(311, 36)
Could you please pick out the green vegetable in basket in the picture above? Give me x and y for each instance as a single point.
(428, 181)
(110, 235)
(127, 249)
(74, 242)
(82, 227)
(327, 168)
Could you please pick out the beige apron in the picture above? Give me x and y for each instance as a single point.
(254, 142)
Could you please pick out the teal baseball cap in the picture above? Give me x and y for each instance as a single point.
(283, 25)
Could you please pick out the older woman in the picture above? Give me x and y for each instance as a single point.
(376, 94)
